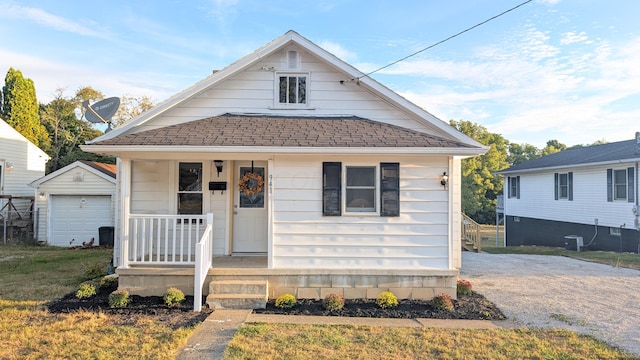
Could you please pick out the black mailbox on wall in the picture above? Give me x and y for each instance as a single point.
(218, 185)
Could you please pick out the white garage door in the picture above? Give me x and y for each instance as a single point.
(78, 218)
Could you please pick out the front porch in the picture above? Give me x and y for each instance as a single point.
(162, 251)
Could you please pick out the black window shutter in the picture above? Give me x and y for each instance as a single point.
(570, 185)
(331, 188)
(555, 185)
(517, 187)
(609, 185)
(509, 179)
(389, 189)
(630, 185)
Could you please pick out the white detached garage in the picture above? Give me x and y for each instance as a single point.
(74, 202)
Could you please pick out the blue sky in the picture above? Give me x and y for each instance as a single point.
(552, 69)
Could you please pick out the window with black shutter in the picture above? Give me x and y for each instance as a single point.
(389, 189)
(331, 188)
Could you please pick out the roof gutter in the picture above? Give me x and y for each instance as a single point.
(612, 162)
(132, 149)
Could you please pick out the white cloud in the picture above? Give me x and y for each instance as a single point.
(339, 51)
(534, 88)
(223, 10)
(573, 37)
(46, 19)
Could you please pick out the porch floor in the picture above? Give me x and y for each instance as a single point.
(239, 261)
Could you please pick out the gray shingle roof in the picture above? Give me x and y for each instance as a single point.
(284, 131)
(616, 151)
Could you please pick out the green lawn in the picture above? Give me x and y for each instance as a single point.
(488, 235)
(30, 276)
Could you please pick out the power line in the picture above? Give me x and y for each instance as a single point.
(445, 40)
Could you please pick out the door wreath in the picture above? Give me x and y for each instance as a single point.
(251, 184)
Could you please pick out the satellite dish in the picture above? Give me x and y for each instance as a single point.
(102, 111)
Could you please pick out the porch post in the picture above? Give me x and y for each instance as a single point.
(124, 177)
(210, 221)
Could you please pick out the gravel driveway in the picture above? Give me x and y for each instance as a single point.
(560, 292)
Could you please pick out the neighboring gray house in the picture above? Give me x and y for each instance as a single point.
(589, 192)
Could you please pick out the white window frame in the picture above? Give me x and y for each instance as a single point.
(615, 185)
(276, 90)
(201, 191)
(514, 187)
(376, 189)
(560, 186)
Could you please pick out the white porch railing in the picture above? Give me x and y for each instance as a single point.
(204, 252)
(162, 239)
(171, 240)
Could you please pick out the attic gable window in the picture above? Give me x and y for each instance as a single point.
(292, 89)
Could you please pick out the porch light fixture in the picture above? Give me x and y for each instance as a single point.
(9, 165)
(218, 164)
(444, 179)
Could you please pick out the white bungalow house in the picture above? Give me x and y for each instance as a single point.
(584, 198)
(305, 177)
(21, 162)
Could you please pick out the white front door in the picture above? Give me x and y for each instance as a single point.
(250, 207)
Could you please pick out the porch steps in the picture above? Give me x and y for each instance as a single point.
(238, 294)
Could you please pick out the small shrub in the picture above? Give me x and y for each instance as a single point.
(94, 271)
(333, 302)
(463, 287)
(109, 282)
(174, 296)
(285, 301)
(119, 299)
(443, 302)
(387, 300)
(86, 290)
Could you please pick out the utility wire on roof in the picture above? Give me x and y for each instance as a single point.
(442, 41)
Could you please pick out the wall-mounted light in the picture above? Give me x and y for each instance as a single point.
(9, 165)
(444, 179)
(41, 195)
(218, 164)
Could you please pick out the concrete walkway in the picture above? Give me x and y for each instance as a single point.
(211, 337)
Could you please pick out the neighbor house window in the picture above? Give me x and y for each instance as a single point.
(563, 185)
(189, 188)
(361, 188)
(620, 184)
(513, 187)
(615, 231)
(292, 89)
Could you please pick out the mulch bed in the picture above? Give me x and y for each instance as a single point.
(473, 306)
(140, 307)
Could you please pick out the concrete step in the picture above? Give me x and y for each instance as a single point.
(237, 301)
(259, 287)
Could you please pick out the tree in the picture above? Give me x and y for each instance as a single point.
(67, 130)
(131, 107)
(480, 183)
(553, 146)
(20, 108)
(519, 153)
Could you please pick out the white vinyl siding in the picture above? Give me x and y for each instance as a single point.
(252, 91)
(589, 199)
(23, 162)
(303, 237)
